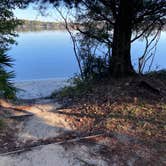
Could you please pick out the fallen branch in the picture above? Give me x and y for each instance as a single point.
(19, 116)
(53, 141)
(13, 113)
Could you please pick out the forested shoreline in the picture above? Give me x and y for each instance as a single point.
(33, 25)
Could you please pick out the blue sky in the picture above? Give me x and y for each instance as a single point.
(31, 13)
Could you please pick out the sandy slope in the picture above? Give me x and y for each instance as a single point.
(47, 123)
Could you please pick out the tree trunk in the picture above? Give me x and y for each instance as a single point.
(121, 65)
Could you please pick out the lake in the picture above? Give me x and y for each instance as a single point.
(49, 54)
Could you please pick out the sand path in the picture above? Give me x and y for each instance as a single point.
(46, 123)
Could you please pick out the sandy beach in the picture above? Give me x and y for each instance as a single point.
(32, 89)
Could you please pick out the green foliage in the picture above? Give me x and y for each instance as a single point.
(94, 67)
(8, 24)
(7, 89)
(95, 63)
(78, 88)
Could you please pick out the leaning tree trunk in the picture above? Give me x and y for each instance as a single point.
(121, 60)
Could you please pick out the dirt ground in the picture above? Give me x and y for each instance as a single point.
(44, 124)
(131, 119)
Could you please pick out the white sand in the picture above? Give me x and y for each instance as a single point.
(39, 88)
(44, 124)
(56, 155)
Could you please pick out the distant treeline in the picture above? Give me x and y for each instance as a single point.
(32, 25)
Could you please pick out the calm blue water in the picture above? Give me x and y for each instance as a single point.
(49, 54)
(43, 55)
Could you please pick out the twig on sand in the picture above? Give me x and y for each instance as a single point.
(31, 147)
(19, 116)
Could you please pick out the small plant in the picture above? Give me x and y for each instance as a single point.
(2, 124)
(7, 89)
(78, 88)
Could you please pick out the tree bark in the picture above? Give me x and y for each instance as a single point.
(121, 65)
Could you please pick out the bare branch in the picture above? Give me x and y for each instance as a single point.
(145, 57)
(73, 40)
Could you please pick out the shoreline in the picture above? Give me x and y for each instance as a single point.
(39, 88)
(42, 79)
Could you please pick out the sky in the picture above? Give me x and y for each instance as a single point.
(31, 13)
